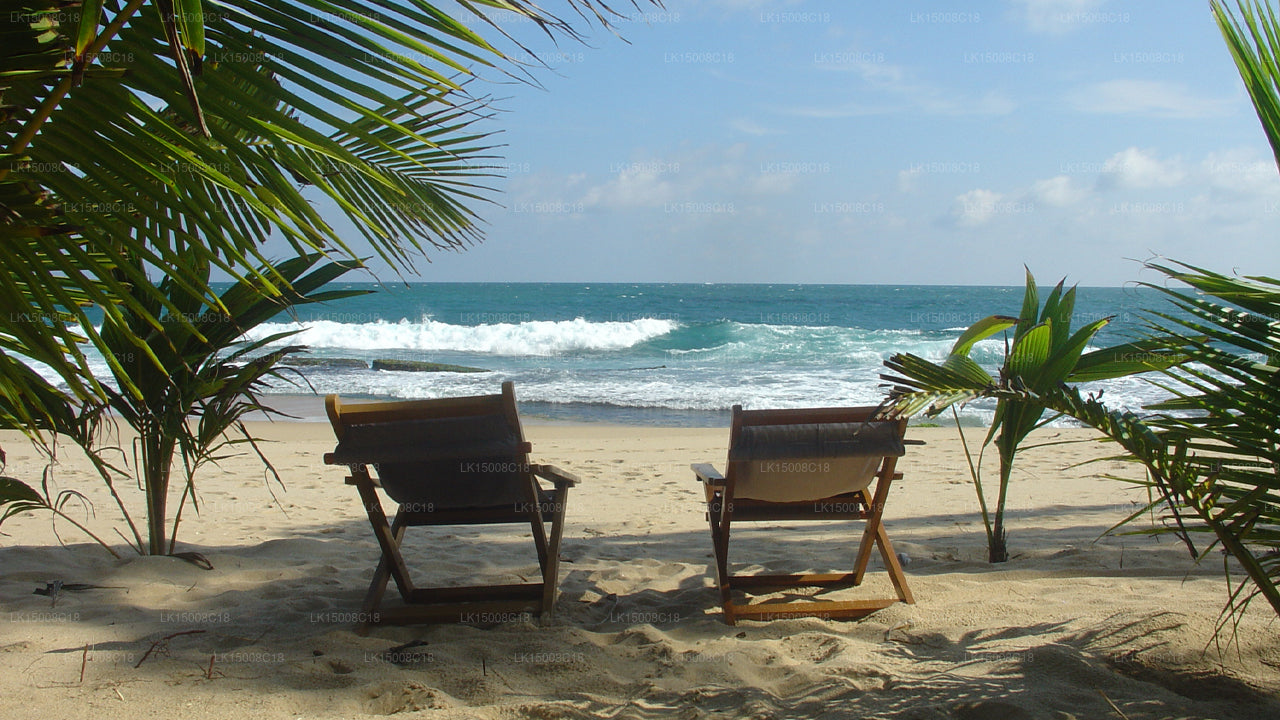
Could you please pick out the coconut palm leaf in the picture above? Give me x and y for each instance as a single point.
(1231, 494)
(183, 130)
(146, 143)
(1126, 359)
(1252, 41)
(17, 497)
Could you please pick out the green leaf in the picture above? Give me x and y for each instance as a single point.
(190, 21)
(1050, 310)
(1030, 313)
(1064, 356)
(18, 497)
(1029, 353)
(981, 330)
(967, 367)
(1062, 317)
(86, 33)
(1152, 354)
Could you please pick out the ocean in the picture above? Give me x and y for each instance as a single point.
(666, 354)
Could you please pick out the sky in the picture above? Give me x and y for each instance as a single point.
(780, 141)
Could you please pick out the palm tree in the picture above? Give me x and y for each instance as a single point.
(212, 383)
(149, 138)
(141, 134)
(188, 416)
(136, 135)
(1045, 354)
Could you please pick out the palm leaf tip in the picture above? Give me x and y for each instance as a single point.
(981, 330)
(16, 491)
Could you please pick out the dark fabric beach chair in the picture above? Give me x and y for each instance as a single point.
(811, 464)
(450, 461)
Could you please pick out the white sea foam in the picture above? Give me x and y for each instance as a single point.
(535, 338)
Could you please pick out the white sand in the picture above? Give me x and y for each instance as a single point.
(1071, 626)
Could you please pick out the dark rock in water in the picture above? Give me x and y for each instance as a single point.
(324, 362)
(420, 366)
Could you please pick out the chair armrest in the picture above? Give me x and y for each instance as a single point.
(707, 473)
(359, 474)
(555, 475)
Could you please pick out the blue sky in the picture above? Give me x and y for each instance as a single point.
(860, 142)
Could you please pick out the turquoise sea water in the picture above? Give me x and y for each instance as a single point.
(672, 354)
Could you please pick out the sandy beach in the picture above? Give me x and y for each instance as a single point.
(1074, 626)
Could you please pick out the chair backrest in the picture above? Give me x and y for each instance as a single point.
(441, 453)
(808, 454)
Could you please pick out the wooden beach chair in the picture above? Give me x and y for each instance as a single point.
(450, 461)
(810, 464)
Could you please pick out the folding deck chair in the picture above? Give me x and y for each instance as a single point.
(450, 461)
(810, 464)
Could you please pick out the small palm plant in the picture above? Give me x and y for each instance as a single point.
(1215, 464)
(186, 417)
(1212, 451)
(1045, 353)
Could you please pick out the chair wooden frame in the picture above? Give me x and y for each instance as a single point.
(478, 603)
(724, 509)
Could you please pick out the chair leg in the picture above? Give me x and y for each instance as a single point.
(896, 576)
(388, 541)
(869, 541)
(378, 585)
(875, 512)
(874, 535)
(537, 527)
(551, 568)
(720, 546)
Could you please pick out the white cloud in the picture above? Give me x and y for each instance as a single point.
(751, 127)
(1145, 97)
(1060, 16)
(844, 110)
(1241, 172)
(1134, 168)
(873, 71)
(989, 103)
(771, 184)
(888, 88)
(1131, 177)
(907, 179)
(1058, 191)
(639, 184)
(976, 207)
(709, 174)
